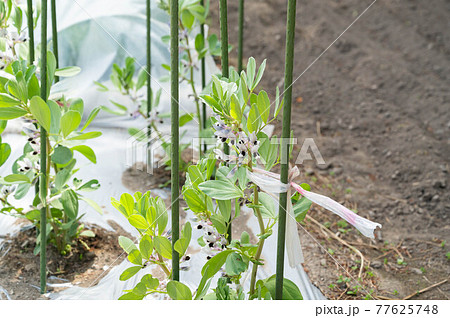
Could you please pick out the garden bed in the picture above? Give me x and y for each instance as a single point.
(19, 268)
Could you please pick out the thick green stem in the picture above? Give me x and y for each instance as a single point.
(241, 35)
(55, 35)
(43, 157)
(175, 137)
(30, 30)
(289, 63)
(260, 243)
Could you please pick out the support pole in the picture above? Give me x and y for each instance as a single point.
(241, 36)
(286, 132)
(55, 36)
(43, 156)
(203, 69)
(175, 134)
(30, 30)
(224, 61)
(149, 79)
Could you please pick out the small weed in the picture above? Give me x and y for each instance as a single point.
(401, 261)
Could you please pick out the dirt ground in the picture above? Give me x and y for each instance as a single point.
(377, 105)
(19, 267)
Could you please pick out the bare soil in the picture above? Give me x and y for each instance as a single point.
(377, 105)
(19, 268)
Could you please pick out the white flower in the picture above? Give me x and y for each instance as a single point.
(25, 165)
(7, 190)
(36, 146)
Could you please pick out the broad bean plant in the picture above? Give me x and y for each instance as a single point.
(216, 190)
(20, 99)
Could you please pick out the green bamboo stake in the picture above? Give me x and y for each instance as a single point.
(224, 61)
(289, 62)
(175, 134)
(30, 30)
(224, 36)
(43, 157)
(241, 35)
(55, 36)
(149, 76)
(203, 69)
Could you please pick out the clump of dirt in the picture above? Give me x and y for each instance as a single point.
(376, 103)
(84, 265)
(141, 178)
(136, 178)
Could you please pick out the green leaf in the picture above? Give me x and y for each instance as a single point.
(290, 290)
(86, 151)
(51, 68)
(138, 221)
(88, 135)
(69, 201)
(213, 265)
(187, 19)
(128, 203)
(40, 110)
(268, 209)
(5, 151)
(131, 296)
(69, 122)
(262, 67)
(245, 238)
(7, 113)
(55, 111)
(234, 264)
(8, 101)
(87, 233)
(93, 204)
(183, 243)
(163, 246)
(178, 291)
(146, 246)
(129, 272)
(199, 42)
(278, 103)
(254, 119)
(150, 281)
(91, 117)
(251, 67)
(185, 118)
(264, 106)
(77, 105)
(220, 190)
(135, 257)
(235, 108)
(225, 208)
(68, 71)
(62, 155)
(219, 223)
(17, 178)
(301, 208)
(194, 201)
(33, 86)
(127, 244)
